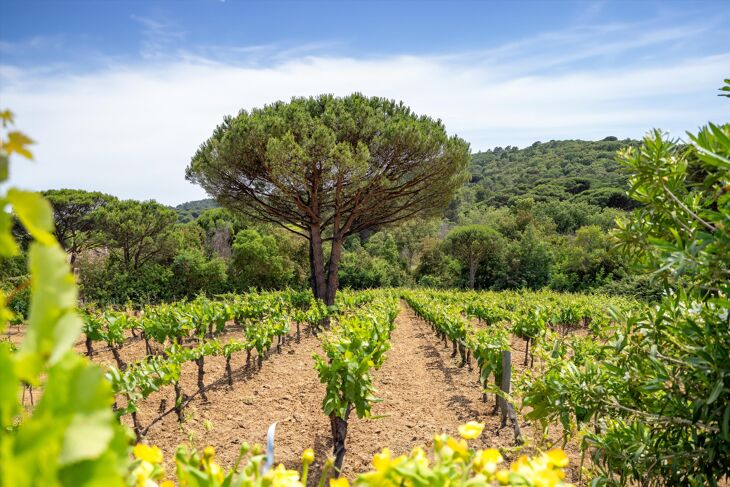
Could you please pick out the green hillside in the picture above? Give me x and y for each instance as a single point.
(566, 170)
(191, 210)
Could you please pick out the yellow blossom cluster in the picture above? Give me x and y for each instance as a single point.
(147, 469)
(453, 463)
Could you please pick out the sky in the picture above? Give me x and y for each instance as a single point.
(119, 94)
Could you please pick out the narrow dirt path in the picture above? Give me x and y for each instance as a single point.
(424, 392)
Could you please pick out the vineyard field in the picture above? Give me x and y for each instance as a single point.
(422, 390)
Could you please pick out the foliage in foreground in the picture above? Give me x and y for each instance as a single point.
(72, 436)
(452, 463)
(658, 403)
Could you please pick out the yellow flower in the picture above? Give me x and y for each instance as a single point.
(384, 460)
(486, 461)
(281, 477)
(215, 471)
(471, 430)
(308, 456)
(521, 465)
(208, 452)
(167, 483)
(147, 453)
(459, 447)
(557, 458)
(503, 477)
(142, 472)
(381, 461)
(419, 457)
(339, 482)
(545, 478)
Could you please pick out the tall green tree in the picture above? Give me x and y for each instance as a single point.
(74, 214)
(326, 167)
(533, 257)
(257, 262)
(141, 231)
(471, 245)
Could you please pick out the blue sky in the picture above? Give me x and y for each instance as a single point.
(119, 94)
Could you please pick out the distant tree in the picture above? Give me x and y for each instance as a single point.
(361, 270)
(411, 235)
(73, 213)
(194, 273)
(326, 167)
(471, 245)
(586, 260)
(436, 268)
(533, 260)
(220, 227)
(188, 236)
(257, 262)
(140, 231)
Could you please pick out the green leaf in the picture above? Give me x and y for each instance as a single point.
(17, 142)
(716, 391)
(53, 324)
(87, 436)
(8, 247)
(35, 213)
(9, 385)
(4, 168)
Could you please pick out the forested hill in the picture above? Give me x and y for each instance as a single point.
(567, 170)
(191, 210)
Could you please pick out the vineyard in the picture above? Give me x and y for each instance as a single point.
(220, 371)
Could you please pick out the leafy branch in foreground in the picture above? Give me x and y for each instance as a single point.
(659, 399)
(72, 436)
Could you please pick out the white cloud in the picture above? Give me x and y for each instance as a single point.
(130, 130)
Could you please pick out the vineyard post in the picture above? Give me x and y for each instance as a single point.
(506, 407)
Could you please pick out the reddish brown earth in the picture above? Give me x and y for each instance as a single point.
(423, 392)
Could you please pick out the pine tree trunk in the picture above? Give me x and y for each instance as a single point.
(316, 258)
(472, 274)
(332, 271)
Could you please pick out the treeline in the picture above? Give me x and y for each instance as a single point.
(528, 218)
(127, 250)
